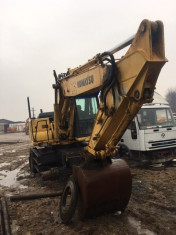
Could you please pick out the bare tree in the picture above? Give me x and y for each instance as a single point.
(171, 98)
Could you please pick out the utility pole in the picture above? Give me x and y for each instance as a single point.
(33, 114)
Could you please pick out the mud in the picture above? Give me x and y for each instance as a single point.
(151, 210)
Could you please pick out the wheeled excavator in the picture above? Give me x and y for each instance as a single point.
(94, 104)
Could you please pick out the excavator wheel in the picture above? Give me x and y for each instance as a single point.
(68, 201)
(32, 163)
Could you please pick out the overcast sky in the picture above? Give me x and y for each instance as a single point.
(37, 36)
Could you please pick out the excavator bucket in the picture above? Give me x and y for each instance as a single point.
(107, 189)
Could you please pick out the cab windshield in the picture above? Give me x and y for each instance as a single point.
(149, 118)
(87, 108)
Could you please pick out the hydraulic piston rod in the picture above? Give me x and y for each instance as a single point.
(93, 61)
(122, 45)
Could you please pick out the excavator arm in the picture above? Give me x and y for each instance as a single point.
(137, 73)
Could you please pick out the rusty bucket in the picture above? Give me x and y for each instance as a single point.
(103, 190)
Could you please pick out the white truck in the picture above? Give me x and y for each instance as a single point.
(151, 136)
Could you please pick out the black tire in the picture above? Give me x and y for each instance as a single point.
(32, 163)
(66, 212)
(124, 151)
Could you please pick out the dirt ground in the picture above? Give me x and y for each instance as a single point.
(151, 210)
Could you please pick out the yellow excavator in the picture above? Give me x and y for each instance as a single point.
(94, 104)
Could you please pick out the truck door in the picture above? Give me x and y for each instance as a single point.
(131, 139)
(133, 130)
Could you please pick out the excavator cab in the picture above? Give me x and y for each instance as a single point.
(85, 114)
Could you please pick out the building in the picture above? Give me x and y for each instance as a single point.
(7, 126)
(4, 124)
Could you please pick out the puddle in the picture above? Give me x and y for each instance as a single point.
(137, 225)
(118, 213)
(11, 151)
(15, 161)
(4, 164)
(14, 226)
(23, 156)
(9, 178)
(22, 186)
(8, 151)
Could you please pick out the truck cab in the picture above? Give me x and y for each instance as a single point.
(151, 136)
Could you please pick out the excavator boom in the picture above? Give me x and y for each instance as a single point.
(125, 85)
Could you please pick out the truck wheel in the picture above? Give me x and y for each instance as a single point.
(32, 164)
(124, 150)
(68, 201)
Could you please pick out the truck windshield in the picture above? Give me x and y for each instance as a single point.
(149, 118)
